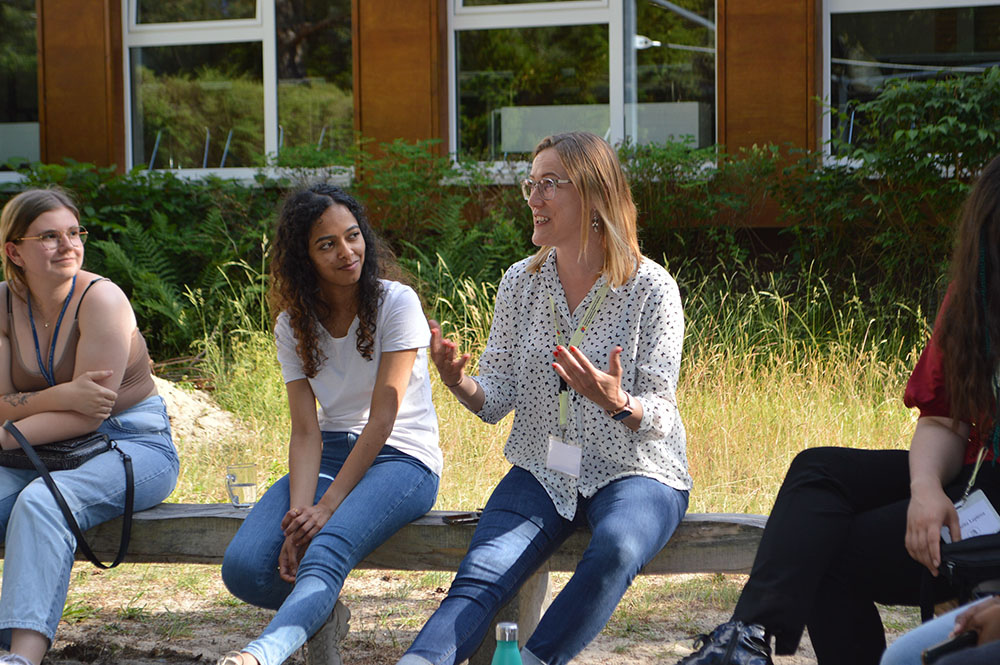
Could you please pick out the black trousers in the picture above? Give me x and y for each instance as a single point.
(834, 546)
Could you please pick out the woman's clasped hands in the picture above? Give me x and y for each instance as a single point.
(299, 526)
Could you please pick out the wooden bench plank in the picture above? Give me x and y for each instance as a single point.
(199, 533)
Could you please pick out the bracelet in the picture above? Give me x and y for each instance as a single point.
(454, 385)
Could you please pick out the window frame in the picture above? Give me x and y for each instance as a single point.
(259, 29)
(831, 7)
(548, 14)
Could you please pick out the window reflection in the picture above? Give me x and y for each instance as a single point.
(867, 49)
(19, 131)
(670, 84)
(178, 11)
(486, 3)
(315, 78)
(195, 106)
(516, 86)
(202, 104)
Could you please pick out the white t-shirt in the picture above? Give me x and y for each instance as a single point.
(344, 383)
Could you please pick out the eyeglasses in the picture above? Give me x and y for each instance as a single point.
(77, 235)
(546, 187)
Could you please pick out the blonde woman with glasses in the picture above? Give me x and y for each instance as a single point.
(71, 361)
(585, 348)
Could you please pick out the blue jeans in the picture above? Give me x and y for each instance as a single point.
(39, 545)
(907, 649)
(631, 519)
(396, 490)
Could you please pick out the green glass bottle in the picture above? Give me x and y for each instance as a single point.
(507, 652)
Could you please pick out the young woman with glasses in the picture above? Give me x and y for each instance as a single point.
(71, 361)
(367, 462)
(585, 348)
(851, 528)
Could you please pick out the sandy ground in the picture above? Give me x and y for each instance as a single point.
(173, 614)
(172, 625)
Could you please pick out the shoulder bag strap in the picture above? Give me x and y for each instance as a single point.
(68, 514)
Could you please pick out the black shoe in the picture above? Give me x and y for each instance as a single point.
(732, 643)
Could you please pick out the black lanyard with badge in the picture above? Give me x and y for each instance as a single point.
(565, 456)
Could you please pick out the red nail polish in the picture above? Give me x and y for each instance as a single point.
(556, 353)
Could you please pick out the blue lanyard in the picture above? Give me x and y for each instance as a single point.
(49, 373)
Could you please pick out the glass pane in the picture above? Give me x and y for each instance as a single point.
(867, 49)
(670, 72)
(517, 86)
(487, 3)
(197, 105)
(315, 78)
(180, 11)
(18, 81)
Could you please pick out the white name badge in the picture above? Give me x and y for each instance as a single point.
(976, 517)
(563, 457)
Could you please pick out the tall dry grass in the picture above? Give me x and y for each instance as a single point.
(767, 372)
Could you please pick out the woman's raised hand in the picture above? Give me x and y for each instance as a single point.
(450, 366)
(602, 388)
(929, 510)
(89, 398)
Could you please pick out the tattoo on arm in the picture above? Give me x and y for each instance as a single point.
(18, 399)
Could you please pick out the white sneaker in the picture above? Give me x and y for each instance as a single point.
(231, 658)
(15, 659)
(324, 646)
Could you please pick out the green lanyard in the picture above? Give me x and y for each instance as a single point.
(574, 340)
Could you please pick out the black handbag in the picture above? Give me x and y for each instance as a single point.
(967, 565)
(61, 455)
(70, 454)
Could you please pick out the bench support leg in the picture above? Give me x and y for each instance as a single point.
(323, 648)
(525, 609)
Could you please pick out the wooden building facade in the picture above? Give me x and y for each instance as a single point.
(772, 61)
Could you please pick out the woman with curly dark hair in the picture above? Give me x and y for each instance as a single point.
(851, 528)
(367, 462)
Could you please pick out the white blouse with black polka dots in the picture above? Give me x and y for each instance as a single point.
(644, 317)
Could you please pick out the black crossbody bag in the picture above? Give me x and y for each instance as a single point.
(69, 454)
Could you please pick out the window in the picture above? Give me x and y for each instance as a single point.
(640, 70)
(233, 83)
(19, 133)
(871, 41)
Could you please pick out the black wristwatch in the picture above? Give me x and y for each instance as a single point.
(622, 413)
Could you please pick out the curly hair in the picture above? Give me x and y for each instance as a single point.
(295, 287)
(969, 329)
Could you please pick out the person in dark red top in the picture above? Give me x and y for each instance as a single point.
(851, 528)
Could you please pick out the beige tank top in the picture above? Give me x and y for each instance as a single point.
(137, 382)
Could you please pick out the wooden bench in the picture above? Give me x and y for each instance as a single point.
(199, 533)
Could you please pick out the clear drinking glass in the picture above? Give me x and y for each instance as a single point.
(241, 483)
